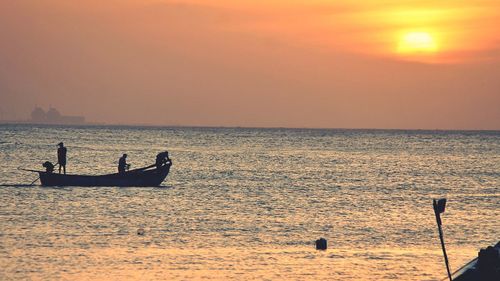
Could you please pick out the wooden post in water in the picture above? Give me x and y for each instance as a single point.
(439, 206)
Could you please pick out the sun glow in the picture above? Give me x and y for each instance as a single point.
(417, 42)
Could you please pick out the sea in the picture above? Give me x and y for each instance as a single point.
(248, 204)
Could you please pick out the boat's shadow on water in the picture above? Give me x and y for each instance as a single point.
(106, 187)
(62, 188)
(164, 187)
(69, 188)
(18, 185)
(147, 187)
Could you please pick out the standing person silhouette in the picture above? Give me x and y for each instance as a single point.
(61, 157)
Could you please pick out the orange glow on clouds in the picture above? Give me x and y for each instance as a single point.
(271, 63)
(450, 33)
(456, 30)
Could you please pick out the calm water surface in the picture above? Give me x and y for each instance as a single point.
(247, 204)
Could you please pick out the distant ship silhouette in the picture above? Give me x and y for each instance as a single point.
(53, 116)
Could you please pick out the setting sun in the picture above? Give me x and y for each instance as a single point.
(417, 42)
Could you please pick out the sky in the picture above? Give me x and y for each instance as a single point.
(413, 64)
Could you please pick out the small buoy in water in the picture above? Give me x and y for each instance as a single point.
(140, 231)
(321, 244)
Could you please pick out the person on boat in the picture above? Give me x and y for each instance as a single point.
(61, 157)
(162, 158)
(49, 167)
(122, 164)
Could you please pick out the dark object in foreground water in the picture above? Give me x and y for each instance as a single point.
(321, 244)
(486, 267)
(147, 176)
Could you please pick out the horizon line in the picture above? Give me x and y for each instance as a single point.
(103, 124)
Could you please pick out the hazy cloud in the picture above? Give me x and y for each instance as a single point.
(173, 63)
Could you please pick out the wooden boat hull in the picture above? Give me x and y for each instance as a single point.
(139, 177)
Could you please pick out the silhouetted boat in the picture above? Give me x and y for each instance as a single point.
(147, 176)
(486, 267)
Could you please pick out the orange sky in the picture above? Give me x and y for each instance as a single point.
(317, 63)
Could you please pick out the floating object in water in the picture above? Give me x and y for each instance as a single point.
(321, 244)
(140, 231)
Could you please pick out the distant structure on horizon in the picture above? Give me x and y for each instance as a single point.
(52, 116)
